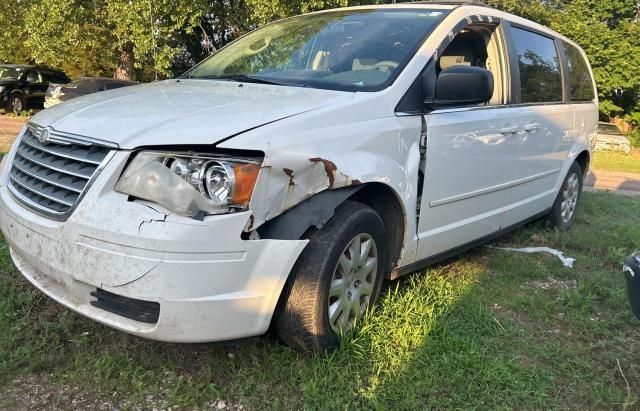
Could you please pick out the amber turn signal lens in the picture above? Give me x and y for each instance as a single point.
(245, 176)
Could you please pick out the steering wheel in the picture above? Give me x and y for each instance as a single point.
(386, 66)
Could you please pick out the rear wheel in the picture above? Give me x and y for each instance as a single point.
(563, 213)
(336, 279)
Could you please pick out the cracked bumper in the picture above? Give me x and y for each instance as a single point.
(211, 285)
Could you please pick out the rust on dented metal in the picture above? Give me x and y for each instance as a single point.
(290, 174)
(329, 168)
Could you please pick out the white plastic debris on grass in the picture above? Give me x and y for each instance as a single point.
(627, 269)
(566, 261)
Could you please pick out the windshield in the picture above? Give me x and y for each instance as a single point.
(352, 50)
(9, 73)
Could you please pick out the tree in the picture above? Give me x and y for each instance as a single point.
(610, 35)
(608, 31)
(68, 34)
(13, 34)
(110, 37)
(147, 31)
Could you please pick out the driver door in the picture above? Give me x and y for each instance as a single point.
(471, 152)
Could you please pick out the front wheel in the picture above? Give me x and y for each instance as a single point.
(335, 281)
(564, 210)
(17, 104)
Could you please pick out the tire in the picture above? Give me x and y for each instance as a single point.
(303, 316)
(564, 210)
(16, 104)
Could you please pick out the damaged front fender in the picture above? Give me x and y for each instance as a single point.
(308, 155)
(288, 179)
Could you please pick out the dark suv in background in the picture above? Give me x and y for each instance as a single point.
(24, 86)
(57, 93)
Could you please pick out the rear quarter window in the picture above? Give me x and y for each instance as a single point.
(580, 81)
(539, 64)
(115, 85)
(53, 77)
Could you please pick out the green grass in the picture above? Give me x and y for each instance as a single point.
(25, 114)
(476, 332)
(617, 161)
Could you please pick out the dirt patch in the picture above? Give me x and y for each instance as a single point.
(42, 391)
(510, 314)
(553, 284)
(9, 129)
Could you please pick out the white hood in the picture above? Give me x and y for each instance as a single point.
(182, 112)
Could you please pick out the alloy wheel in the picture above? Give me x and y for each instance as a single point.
(570, 198)
(353, 283)
(16, 105)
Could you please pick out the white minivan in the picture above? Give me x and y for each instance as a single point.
(280, 181)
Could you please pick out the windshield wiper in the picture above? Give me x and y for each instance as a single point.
(244, 78)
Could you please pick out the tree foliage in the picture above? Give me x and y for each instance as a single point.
(608, 31)
(63, 33)
(149, 38)
(13, 34)
(149, 28)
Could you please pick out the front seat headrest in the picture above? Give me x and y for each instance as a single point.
(458, 53)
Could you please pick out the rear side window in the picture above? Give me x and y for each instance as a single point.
(32, 77)
(53, 77)
(580, 81)
(540, 76)
(115, 85)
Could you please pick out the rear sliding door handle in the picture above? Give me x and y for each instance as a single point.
(531, 127)
(510, 130)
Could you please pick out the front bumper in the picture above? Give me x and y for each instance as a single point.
(210, 284)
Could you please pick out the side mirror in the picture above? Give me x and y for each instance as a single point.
(463, 85)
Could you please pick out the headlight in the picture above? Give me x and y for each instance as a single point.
(191, 184)
(2, 88)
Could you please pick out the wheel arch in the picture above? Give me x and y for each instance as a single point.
(314, 212)
(19, 92)
(584, 160)
(387, 204)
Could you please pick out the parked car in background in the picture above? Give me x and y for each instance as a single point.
(57, 93)
(281, 180)
(24, 86)
(610, 138)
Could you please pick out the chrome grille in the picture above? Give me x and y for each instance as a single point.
(51, 177)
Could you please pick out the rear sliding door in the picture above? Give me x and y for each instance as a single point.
(547, 130)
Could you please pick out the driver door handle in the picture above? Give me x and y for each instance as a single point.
(531, 127)
(510, 130)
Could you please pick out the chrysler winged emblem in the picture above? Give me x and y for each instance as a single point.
(43, 137)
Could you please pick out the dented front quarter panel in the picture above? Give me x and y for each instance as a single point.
(306, 155)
